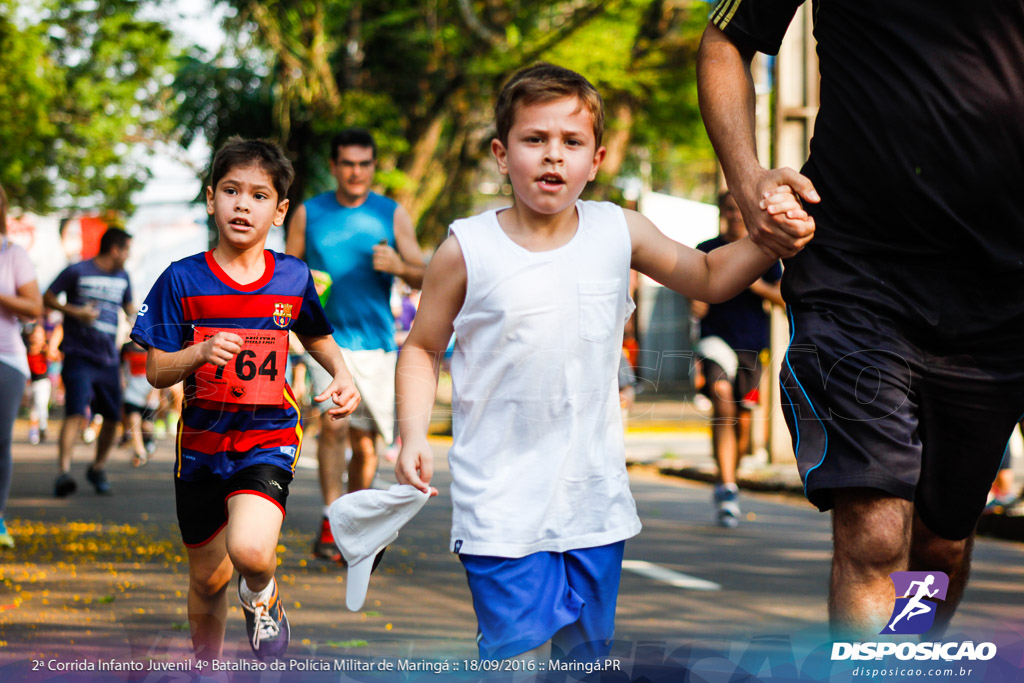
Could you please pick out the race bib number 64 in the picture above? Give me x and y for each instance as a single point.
(255, 376)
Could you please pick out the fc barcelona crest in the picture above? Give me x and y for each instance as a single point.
(282, 314)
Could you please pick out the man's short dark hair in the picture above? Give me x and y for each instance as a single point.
(352, 137)
(239, 152)
(114, 237)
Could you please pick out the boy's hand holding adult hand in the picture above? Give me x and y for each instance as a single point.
(342, 390)
(415, 465)
(221, 348)
(780, 227)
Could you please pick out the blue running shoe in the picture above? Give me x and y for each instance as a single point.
(267, 625)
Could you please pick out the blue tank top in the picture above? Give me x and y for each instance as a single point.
(339, 241)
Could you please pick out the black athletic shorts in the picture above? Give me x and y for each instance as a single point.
(148, 414)
(746, 383)
(203, 503)
(902, 378)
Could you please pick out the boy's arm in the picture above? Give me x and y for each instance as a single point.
(167, 368)
(342, 388)
(719, 275)
(295, 244)
(444, 291)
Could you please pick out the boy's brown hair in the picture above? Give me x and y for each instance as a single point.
(239, 152)
(543, 83)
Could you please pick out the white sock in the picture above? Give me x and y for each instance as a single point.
(326, 508)
(254, 598)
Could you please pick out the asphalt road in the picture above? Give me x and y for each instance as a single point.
(97, 579)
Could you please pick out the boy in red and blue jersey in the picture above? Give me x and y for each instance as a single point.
(220, 321)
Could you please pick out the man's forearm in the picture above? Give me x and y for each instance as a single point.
(727, 105)
(412, 273)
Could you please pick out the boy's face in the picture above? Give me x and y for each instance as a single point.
(551, 154)
(244, 205)
(353, 170)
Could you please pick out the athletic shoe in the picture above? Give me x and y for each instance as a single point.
(88, 434)
(6, 540)
(324, 546)
(999, 505)
(98, 478)
(266, 624)
(727, 507)
(33, 436)
(64, 486)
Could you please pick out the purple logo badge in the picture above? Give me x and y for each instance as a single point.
(917, 594)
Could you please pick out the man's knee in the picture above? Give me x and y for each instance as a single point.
(722, 400)
(364, 442)
(929, 551)
(332, 432)
(871, 527)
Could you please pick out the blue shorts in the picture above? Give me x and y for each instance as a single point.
(567, 598)
(87, 383)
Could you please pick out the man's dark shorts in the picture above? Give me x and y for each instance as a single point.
(744, 385)
(902, 377)
(203, 503)
(87, 383)
(148, 414)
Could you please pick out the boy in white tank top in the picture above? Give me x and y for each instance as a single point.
(537, 295)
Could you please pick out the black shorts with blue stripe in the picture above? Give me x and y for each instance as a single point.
(902, 377)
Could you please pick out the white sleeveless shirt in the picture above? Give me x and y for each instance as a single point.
(538, 459)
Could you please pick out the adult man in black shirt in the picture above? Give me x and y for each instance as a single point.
(906, 371)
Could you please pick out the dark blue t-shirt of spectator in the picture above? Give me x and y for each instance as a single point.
(85, 284)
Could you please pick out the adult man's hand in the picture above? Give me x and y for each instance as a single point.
(86, 314)
(775, 232)
(387, 260)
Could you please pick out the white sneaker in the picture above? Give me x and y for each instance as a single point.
(727, 507)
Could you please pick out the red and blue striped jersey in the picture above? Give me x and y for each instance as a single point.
(220, 436)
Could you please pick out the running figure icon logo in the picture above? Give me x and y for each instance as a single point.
(914, 612)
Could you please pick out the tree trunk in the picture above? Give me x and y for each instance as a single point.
(422, 153)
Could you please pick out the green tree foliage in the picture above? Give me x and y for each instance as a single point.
(82, 87)
(27, 90)
(423, 74)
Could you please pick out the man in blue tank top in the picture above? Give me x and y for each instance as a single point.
(356, 241)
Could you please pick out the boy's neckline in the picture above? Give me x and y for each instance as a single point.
(578, 206)
(268, 272)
